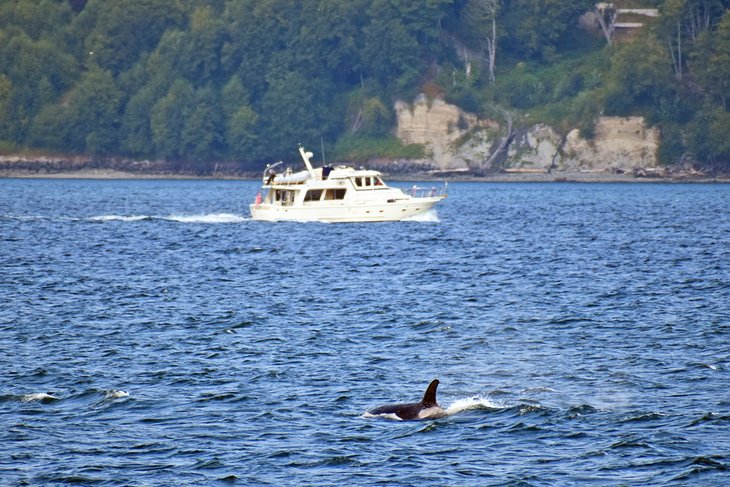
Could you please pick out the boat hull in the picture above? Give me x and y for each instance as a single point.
(344, 211)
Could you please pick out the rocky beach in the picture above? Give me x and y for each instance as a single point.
(79, 168)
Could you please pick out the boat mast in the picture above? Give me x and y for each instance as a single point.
(306, 156)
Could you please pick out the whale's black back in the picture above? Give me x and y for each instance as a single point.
(411, 410)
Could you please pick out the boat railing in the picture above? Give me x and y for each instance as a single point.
(428, 192)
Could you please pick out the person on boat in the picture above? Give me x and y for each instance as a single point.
(272, 175)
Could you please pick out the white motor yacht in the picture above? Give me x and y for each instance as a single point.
(337, 194)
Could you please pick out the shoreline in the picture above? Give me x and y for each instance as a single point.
(572, 177)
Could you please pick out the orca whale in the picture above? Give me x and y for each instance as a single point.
(428, 408)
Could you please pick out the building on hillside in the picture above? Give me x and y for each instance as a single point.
(617, 22)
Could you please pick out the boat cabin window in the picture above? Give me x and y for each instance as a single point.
(335, 194)
(313, 195)
(368, 182)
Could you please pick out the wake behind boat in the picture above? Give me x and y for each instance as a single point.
(337, 194)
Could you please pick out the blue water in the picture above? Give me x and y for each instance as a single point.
(151, 334)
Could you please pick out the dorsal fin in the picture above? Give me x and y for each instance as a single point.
(429, 399)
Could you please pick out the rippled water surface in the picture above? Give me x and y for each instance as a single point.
(151, 333)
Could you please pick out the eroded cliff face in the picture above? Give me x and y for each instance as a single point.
(435, 124)
(620, 143)
(456, 139)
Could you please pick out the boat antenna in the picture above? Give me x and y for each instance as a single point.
(321, 141)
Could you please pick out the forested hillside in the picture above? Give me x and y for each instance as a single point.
(199, 81)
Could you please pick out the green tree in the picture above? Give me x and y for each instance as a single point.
(27, 61)
(234, 95)
(257, 31)
(37, 18)
(718, 134)
(117, 32)
(294, 110)
(50, 129)
(39, 72)
(94, 114)
(422, 19)
(377, 117)
(242, 134)
(682, 23)
(169, 117)
(326, 42)
(480, 28)
(712, 61)
(367, 114)
(391, 36)
(136, 128)
(640, 75)
(536, 27)
(707, 136)
(168, 61)
(6, 90)
(670, 27)
(240, 119)
(202, 136)
(205, 38)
